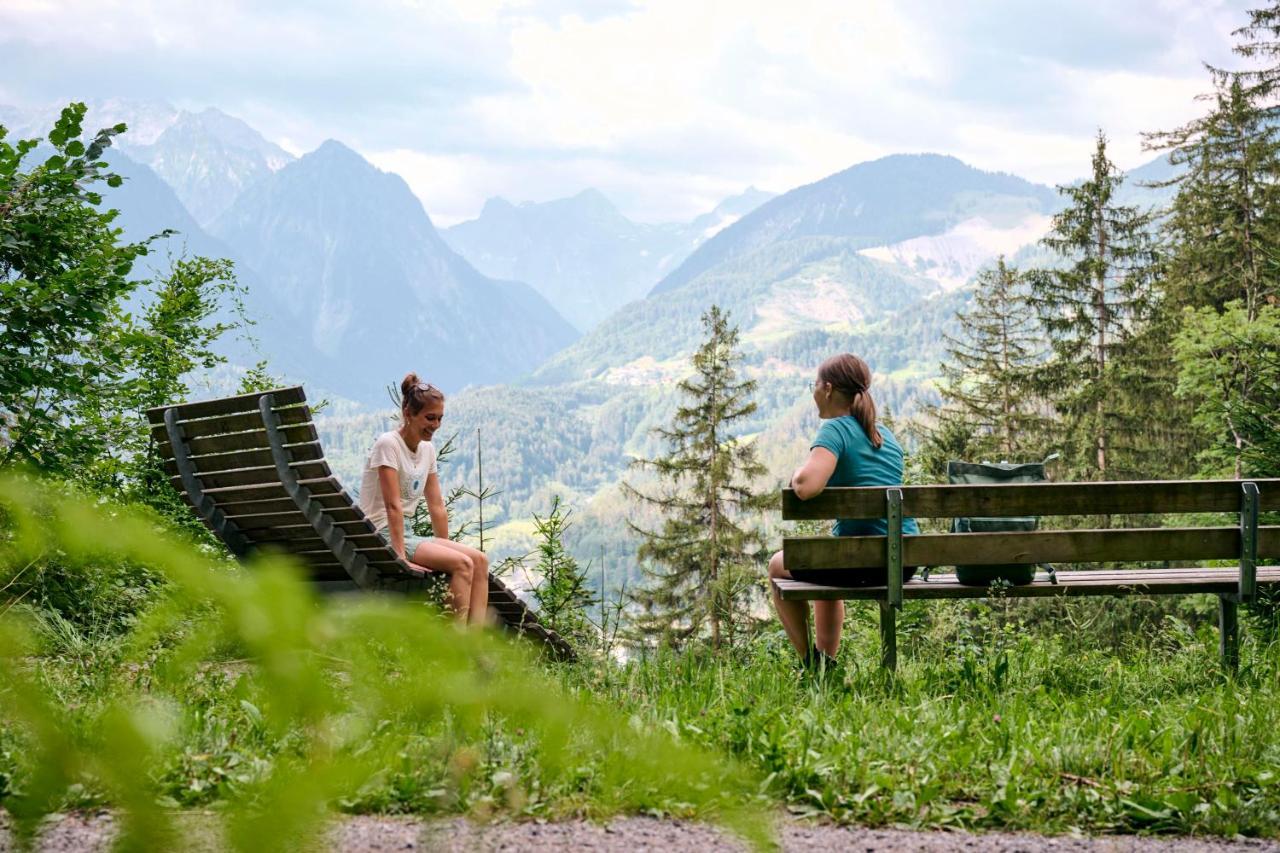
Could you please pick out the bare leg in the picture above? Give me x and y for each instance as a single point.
(794, 615)
(478, 594)
(828, 618)
(457, 565)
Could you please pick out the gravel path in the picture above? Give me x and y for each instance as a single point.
(92, 832)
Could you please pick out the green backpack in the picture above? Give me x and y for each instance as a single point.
(992, 472)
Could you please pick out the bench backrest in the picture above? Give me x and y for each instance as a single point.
(1244, 540)
(252, 469)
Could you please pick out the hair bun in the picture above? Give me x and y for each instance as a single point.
(410, 380)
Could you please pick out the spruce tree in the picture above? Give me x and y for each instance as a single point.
(1090, 309)
(986, 377)
(562, 593)
(1223, 223)
(697, 558)
(1224, 235)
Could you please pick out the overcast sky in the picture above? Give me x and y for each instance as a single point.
(667, 106)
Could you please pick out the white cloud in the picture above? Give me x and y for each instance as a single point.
(662, 104)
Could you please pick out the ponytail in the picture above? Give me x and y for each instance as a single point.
(850, 376)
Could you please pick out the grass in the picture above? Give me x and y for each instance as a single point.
(232, 690)
(993, 726)
(1031, 733)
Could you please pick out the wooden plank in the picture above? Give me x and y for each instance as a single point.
(249, 440)
(228, 405)
(231, 496)
(1046, 546)
(258, 476)
(262, 507)
(217, 462)
(1108, 498)
(286, 533)
(1221, 581)
(293, 416)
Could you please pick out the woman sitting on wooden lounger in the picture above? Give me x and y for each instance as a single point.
(849, 450)
(398, 473)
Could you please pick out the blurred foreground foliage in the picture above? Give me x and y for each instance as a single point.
(368, 704)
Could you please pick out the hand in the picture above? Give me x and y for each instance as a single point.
(416, 569)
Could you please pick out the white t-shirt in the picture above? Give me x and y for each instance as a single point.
(412, 470)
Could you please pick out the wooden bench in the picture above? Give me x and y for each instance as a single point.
(251, 467)
(1244, 542)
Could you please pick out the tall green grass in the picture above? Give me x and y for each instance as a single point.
(242, 690)
(1002, 727)
(235, 690)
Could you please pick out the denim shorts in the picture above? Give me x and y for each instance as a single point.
(411, 542)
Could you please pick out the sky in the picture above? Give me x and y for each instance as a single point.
(667, 106)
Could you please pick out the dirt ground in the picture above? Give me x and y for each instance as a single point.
(93, 832)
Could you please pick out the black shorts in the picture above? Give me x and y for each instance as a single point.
(850, 577)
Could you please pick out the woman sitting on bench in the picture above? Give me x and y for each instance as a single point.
(849, 450)
(398, 473)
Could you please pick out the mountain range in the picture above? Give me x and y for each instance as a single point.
(579, 320)
(581, 253)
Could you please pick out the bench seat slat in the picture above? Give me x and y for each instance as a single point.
(292, 416)
(1106, 498)
(257, 476)
(1190, 580)
(292, 532)
(228, 496)
(235, 460)
(269, 521)
(248, 440)
(1045, 546)
(228, 405)
(262, 507)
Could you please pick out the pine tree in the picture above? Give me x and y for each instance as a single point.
(1090, 310)
(1224, 231)
(698, 556)
(562, 594)
(986, 377)
(1223, 222)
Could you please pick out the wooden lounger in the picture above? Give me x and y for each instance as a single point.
(251, 467)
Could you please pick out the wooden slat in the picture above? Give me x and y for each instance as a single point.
(228, 405)
(1139, 582)
(286, 533)
(217, 462)
(249, 440)
(257, 521)
(1155, 496)
(1048, 546)
(257, 476)
(231, 496)
(262, 507)
(293, 416)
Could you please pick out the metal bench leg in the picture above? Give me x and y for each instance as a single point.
(1229, 628)
(888, 636)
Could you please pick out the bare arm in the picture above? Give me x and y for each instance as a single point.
(811, 478)
(435, 507)
(389, 483)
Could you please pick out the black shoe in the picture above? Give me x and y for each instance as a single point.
(818, 662)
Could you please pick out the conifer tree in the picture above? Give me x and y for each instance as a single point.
(1224, 235)
(986, 378)
(697, 557)
(1223, 224)
(1090, 309)
(562, 593)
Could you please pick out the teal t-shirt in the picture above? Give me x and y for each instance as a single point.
(860, 463)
